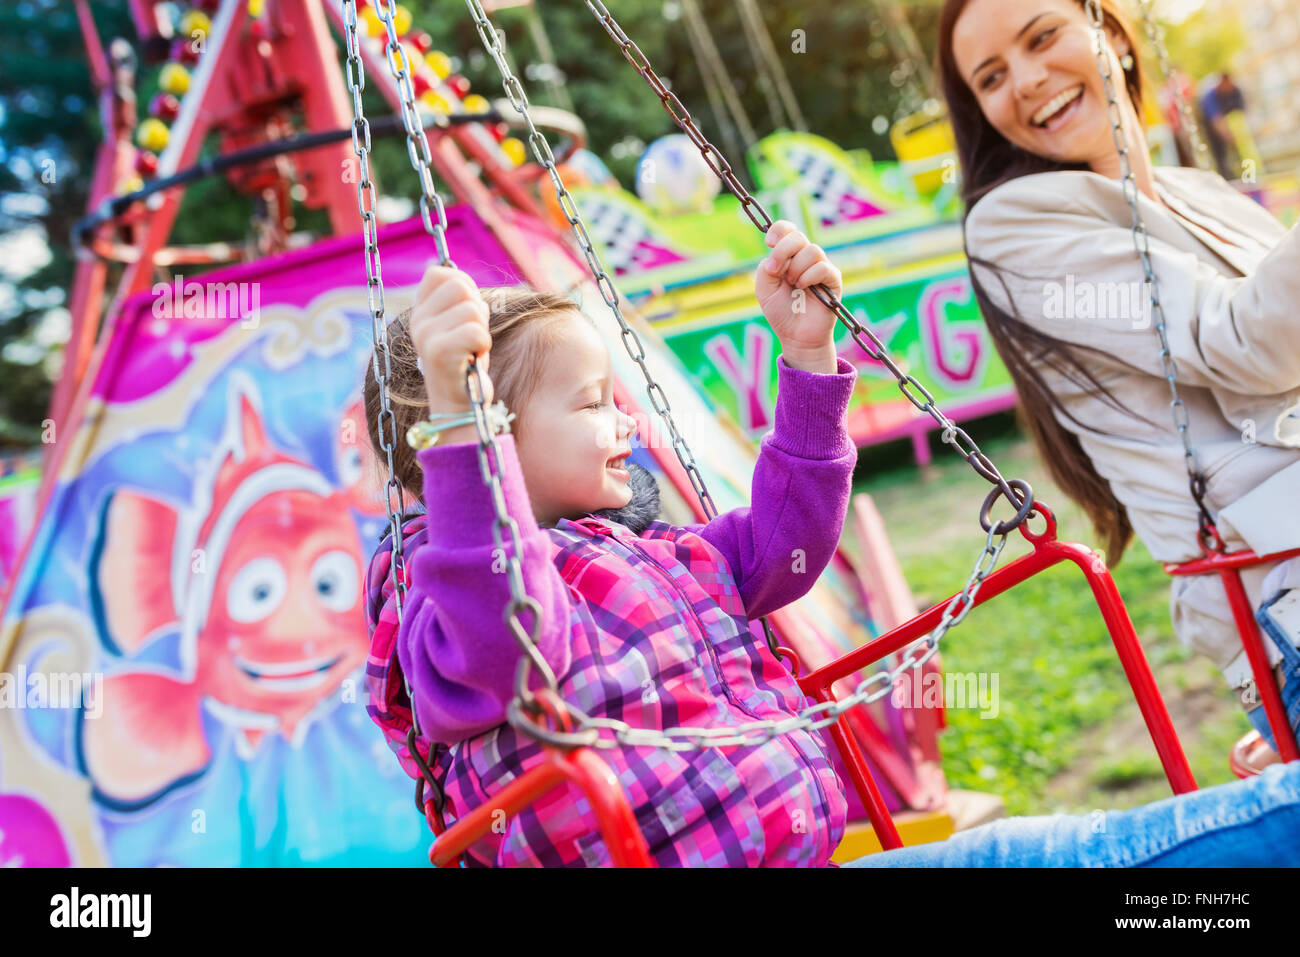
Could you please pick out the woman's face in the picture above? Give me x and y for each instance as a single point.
(1033, 69)
(572, 439)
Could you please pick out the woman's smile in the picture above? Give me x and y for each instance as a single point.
(1060, 110)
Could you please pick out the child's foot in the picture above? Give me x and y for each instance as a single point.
(1251, 755)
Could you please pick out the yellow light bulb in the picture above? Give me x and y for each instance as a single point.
(175, 79)
(435, 102)
(439, 63)
(514, 150)
(152, 134)
(374, 26)
(401, 20)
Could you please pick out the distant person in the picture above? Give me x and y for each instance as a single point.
(1219, 98)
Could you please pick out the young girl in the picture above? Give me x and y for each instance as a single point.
(649, 623)
(640, 620)
(1049, 236)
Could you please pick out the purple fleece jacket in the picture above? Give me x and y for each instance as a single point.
(454, 647)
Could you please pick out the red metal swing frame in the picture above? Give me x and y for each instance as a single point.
(1228, 566)
(583, 768)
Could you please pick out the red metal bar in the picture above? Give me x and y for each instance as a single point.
(1134, 660)
(582, 768)
(1265, 681)
(1228, 567)
(1232, 560)
(868, 793)
(879, 750)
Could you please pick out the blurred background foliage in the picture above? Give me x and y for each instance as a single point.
(847, 81)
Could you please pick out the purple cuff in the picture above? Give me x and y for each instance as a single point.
(454, 490)
(811, 418)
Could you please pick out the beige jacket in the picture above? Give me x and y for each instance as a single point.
(1229, 280)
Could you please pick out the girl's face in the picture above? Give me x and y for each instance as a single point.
(571, 431)
(1033, 69)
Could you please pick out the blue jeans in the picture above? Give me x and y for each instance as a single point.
(1255, 822)
(1252, 823)
(1291, 667)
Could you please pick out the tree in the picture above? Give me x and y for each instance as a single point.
(48, 138)
(49, 124)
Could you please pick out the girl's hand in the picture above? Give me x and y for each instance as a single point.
(449, 326)
(803, 325)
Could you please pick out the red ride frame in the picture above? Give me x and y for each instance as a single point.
(1228, 567)
(627, 845)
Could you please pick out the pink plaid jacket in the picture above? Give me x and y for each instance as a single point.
(650, 629)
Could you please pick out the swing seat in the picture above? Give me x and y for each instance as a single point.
(585, 770)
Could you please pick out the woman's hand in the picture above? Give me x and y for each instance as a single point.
(449, 326)
(803, 325)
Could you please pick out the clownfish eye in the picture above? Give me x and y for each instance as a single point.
(335, 578)
(256, 590)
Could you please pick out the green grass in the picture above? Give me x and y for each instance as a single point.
(1067, 735)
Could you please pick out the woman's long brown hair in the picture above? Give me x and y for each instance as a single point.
(988, 160)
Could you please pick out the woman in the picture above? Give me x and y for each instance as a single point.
(1056, 273)
(1047, 217)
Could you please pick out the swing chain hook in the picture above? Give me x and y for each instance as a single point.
(1024, 507)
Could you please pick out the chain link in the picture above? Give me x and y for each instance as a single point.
(1206, 534)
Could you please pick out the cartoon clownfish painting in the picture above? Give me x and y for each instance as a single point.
(259, 576)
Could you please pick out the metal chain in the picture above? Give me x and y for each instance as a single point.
(1206, 534)
(917, 86)
(684, 738)
(870, 689)
(494, 43)
(1156, 35)
(386, 420)
(950, 432)
(816, 716)
(489, 454)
